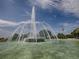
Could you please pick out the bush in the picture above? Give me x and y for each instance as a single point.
(40, 40)
(61, 36)
(35, 40)
(3, 39)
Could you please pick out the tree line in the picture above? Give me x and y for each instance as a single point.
(73, 34)
(44, 33)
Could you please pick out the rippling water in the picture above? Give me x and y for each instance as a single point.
(55, 49)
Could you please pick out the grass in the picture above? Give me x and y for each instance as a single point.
(56, 49)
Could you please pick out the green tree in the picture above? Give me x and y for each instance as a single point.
(61, 36)
(2, 39)
(15, 36)
(75, 33)
(45, 33)
(69, 36)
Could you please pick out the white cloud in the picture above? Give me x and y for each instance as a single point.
(44, 3)
(68, 27)
(68, 6)
(71, 6)
(77, 22)
(6, 23)
(4, 33)
(66, 24)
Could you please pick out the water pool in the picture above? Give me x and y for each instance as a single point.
(55, 49)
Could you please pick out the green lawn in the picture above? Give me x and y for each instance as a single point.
(56, 49)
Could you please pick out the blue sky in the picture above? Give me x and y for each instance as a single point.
(57, 13)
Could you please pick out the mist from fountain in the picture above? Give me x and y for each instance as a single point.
(32, 30)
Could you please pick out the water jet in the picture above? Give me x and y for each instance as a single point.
(33, 31)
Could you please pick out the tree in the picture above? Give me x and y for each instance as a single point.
(15, 36)
(45, 33)
(3, 39)
(69, 36)
(61, 36)
(75, 33)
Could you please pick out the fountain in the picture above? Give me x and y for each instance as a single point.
(33, 31)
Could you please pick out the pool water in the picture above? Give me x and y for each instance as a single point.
(55, 49)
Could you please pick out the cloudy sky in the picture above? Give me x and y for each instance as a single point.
(57, 13)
